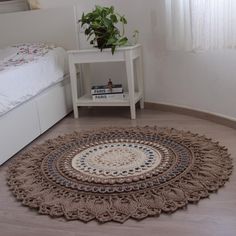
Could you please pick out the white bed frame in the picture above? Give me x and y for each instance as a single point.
(23, 124)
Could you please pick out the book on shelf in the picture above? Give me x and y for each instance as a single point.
(104, 89)
(108, 96)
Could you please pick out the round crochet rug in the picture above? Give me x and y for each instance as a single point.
(113, 174)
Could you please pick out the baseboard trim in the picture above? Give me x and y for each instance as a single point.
(192, 112)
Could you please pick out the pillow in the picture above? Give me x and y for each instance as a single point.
(34, 4)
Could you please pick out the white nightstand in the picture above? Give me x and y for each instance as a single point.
(123, 54)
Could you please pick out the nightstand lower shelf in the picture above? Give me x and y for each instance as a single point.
(87, 100)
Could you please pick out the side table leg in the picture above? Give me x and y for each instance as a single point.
(139, 68)
(73, 81)
(130, 79)
(142, 103)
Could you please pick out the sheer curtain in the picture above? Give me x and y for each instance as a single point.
(178, 24)
(200, 24)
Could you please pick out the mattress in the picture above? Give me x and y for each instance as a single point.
(28, 69)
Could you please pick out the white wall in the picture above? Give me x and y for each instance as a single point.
(204, 81)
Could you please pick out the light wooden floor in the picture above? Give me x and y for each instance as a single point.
(215, 216)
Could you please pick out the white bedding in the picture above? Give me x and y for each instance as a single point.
(7, 53)
(28, 69)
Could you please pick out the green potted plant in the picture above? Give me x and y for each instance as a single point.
(101, 28)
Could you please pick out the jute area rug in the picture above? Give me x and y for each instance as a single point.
(114, 174)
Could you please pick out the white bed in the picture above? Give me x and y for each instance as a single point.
(27, 70)
(39, 96)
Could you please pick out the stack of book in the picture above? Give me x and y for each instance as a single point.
(104, 92)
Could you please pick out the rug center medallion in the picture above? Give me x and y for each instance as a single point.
(117, 160)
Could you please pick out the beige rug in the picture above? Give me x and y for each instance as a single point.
(114, 174)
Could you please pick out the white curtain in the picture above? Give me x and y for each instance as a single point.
(178, 24)
(201, 24)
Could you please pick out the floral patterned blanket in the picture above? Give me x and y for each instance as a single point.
(25, 53)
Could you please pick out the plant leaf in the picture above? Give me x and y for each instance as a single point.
(112, 9)
(123, 41)
(114, 18)
(123, 20)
